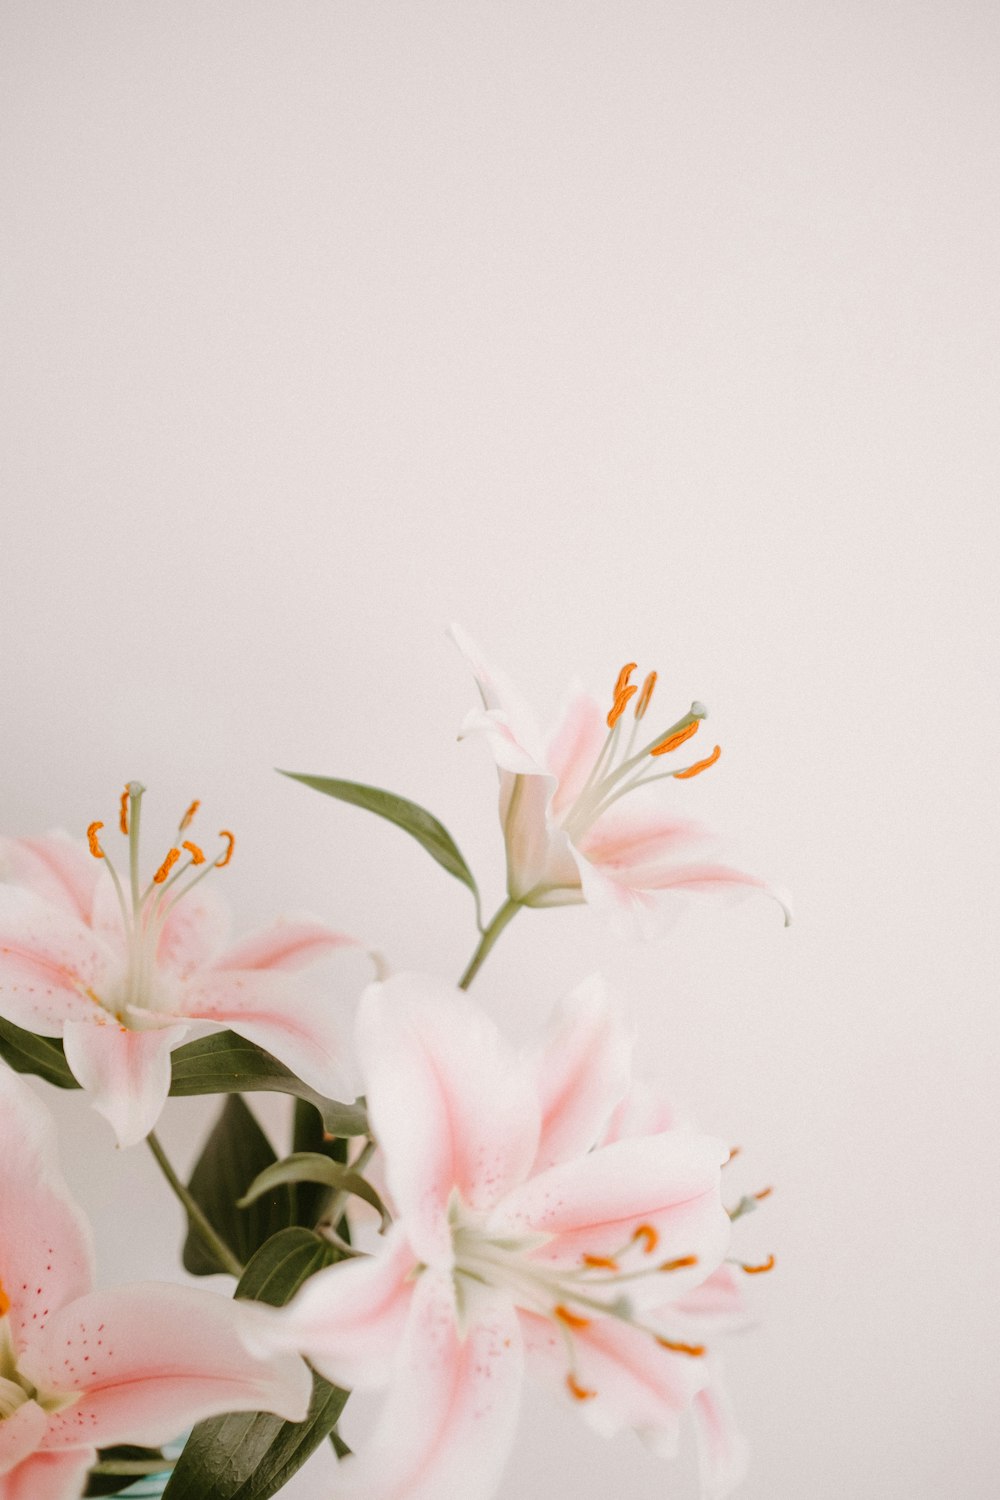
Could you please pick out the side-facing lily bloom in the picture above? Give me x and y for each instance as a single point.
(82, 1369)
(515, 1244)
(568, 837)
(121, 972)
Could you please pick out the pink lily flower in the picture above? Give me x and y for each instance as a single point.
(516, 1245)
(568, 838)
(82, 1369)
(121, 973)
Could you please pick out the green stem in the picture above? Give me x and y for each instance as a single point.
(196, 1217)
(507, 912)
(337, 1202)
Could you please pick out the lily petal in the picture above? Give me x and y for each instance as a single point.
(505, 719)
(594, 1204)
(450, 1413)
(125, 1072)
(149, 1360)
(574, 747)
(631, 1381)
(47, 1255)
(302, 1030)
(450, 1104)
(348, 1320)
(20, 1435)
(541, 869)
(49, 1476)
(290, 944)
(723, 1452)
(582, 1065)
(48, 962)
(55, 867)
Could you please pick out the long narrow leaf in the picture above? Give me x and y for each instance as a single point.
(308, 1166)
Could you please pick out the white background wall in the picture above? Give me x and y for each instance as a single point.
(614, 330)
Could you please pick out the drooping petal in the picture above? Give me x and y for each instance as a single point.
(289, 944)
(53, 969)
(628, 1380)
(450, 1103)
(574, 747)
(126, 1072)
(46, 1257)
(582, 1066)
(20, 1435)
(723, 1452)
(49, 1476)
(717, 1305)
(449, 1416)
(505, 719)
(271, 1008)
(594, 1204)
(149, 1360)
(348, 1320)
(60, 870)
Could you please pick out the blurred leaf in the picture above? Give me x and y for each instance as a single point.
(110, 1484)
(228, 1064)
(42, 1055)
(250, 1456)
(235, 1154)
(308, 1166)
(413, 819)
(311, 1198)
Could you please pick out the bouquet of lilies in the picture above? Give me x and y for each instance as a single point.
(480, 1213)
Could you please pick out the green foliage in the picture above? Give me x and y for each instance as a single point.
(413, 819)
(225, 1063)
(310, 1166)
(28, 1053)
(235, 1154)
(250, 1456)
(146, 1461)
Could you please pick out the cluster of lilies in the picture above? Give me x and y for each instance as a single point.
(543, 1211)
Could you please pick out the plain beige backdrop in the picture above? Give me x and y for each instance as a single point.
(633, 329)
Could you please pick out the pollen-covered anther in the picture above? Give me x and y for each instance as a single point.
(623, 677)
(681, 1263)
(757, 1270)
(188, 817)
(173, 855)
(646, 692)
(95, 848)
(571, 1319)
(4, 1301)
(580, 1392)
(197, 855)
(764, 1193)
(675, 740)
(649, 1237)
(699, 765)
(734, 1151)
(601, 1262)
(123, 812)
(694, 1350)
(620, 704)
(227, 853)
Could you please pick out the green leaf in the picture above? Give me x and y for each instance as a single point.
(151, 1460)
(311, 1199)
(28, 1053)
(413, 819)
(309, 1166)
(228, 1064)
(250, 1456)
(235, 1154)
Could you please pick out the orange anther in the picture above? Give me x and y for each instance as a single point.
(186, 820)
(680, 1263)
(227, 855)
(579, 1391)
(4, 1302)
(647, 1233)
(676, 739)
(123, 812)
(95, 847)
(571, 1319)
(173, 856)
(700, 765)
(765, 1265)
(197, 857)
(695, 1350)
(623, 677)
(620, 704)
(764, 1193)
(645, 695)
(601, 1262)
(733, 1152)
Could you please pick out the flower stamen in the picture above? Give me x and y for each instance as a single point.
(186, 821)
(197, 855)
(675, 740)
(642, 702)
(4, 1301)
(227, 854)
(123, 812)
(699, 765)
(648, 1235)
(571, 1319)
(601, 1262)
(694, 1350)
(758, 1270)
(173, 855)
(580, 1392)
(92, 832)
(623, 676)
(679, 1264)
(620, 704)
